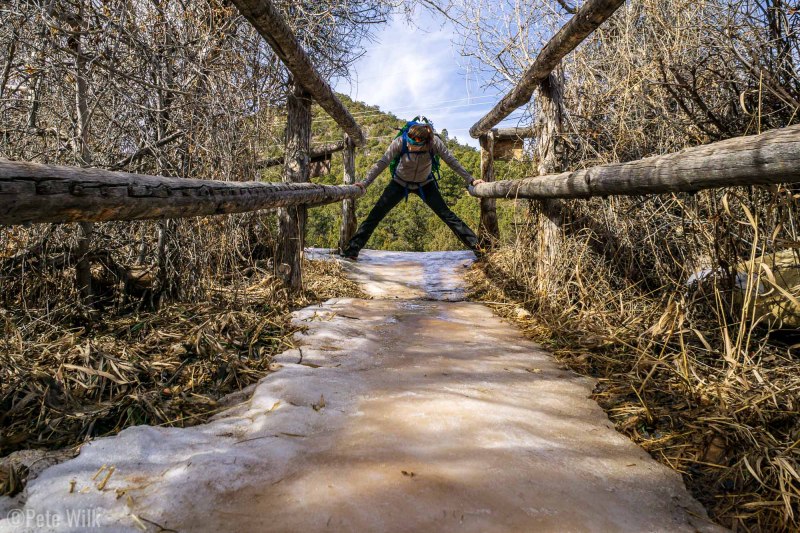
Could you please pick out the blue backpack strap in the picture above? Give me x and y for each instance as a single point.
(403, 151)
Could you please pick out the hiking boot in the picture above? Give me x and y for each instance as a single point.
(347, 254)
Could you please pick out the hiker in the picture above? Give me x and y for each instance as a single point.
(413, 158)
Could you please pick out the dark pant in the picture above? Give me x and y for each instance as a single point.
(391, 196)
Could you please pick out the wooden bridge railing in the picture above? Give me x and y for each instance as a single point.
(31, 192)
(266, 19)
(587, 19)
(772, 157)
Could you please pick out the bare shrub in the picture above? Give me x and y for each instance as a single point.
(112, 324)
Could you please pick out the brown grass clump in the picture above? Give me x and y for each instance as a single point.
(326, 279)
(700, 374)
(64, 379)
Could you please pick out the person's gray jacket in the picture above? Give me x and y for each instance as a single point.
(414, 168)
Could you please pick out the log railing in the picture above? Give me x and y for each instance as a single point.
(31, 192)
(308, 84)
(587, 19)
(772, 157)
(266, 19)
(769, 158)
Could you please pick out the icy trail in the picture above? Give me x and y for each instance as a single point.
(406, 412)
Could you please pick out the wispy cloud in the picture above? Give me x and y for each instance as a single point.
(404, 67)
(411, 71)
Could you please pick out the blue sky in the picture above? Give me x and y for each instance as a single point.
(428, 77)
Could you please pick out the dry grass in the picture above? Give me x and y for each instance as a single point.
(695, 374)
(63, 381)
(326, 279)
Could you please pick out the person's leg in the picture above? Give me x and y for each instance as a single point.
(391, 196)
(433, 198)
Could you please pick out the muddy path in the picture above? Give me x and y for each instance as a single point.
(412, 411)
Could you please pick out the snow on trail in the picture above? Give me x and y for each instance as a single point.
(423, 275)
(404, 413)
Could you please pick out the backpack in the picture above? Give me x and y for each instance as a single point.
(404, 134)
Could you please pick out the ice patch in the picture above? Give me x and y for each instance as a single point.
(406, 275)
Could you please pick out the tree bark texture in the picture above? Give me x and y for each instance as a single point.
(292, 220)
(588, 18)
(348, 227)
(549, 130)
(31, 192)
(772, 157)
(266, 19)
(488, 230)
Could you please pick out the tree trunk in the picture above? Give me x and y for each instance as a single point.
(83, 267)
(488, 230)
(348, 205)
(292, 220)
(549, 126)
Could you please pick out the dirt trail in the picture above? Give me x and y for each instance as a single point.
(401, 413)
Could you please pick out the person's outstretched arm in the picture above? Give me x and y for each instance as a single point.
(393, 151)
(440, 148)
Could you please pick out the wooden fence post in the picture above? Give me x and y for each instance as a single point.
(488, 231)
(549, 126)
(292, 220)
(348, 227)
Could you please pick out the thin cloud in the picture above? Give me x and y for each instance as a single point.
(409, 69)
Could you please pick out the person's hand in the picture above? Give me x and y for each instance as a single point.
(476, 182)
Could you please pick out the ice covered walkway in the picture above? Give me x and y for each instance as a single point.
(412, 411)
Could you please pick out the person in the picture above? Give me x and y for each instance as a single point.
(414, 174)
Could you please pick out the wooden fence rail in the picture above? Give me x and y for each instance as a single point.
(591, 15)
(266, 19)
(587, 19)
(316, 154)
(772, 157)
(31, 192)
